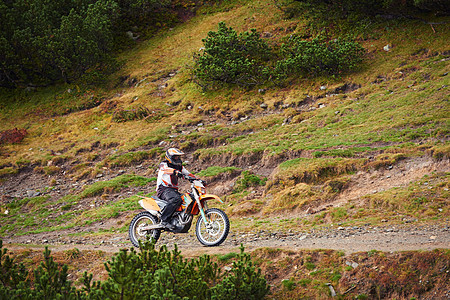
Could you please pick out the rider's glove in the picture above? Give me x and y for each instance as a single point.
(178, 173)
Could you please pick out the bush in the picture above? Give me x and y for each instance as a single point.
(122, 115)
(12, 136)
(433, 5)
(247, 60)
(43, 42)
(334, 10)
(248, 180)
(229, 58)
(316, 57)
(149, 274)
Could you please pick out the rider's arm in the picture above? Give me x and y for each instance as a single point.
(166, 169)
(185, 172)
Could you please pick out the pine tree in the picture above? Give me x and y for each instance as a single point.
(50, 281)
(13, 277)
(244, 281)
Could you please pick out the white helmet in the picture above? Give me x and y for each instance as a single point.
(173, 156)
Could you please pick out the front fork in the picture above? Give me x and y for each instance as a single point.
(202, 212)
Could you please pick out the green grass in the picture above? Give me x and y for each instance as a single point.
(25, 214)
(216, 170)
(338, 213)
(227, 257)
(351, 152)
(315, 170)
(131, 158)
(247, 180)
(114, 185)
(400, 111)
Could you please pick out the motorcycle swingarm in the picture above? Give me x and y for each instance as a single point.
(152, 227)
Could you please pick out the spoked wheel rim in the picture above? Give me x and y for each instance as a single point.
(216, 230)
(137, 233)
(140, 234)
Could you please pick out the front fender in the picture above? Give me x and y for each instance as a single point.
(210, 197)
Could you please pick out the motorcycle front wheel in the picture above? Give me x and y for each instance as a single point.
(135, 230)
(215, 231)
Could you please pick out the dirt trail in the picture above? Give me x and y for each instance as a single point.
(411, 236)
(347, 239)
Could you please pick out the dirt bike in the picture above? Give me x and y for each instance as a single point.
(212, 225)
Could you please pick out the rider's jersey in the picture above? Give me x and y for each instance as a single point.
(167, 177)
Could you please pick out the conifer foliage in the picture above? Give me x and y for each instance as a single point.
(46, 42)
(246, 59)
(147, 274)
(232, 58)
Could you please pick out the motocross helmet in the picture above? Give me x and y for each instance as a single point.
(173, 156)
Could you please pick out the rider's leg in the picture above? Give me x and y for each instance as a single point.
(173, 198)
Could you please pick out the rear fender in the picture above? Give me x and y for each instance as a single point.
(149, 204)
(210, 197)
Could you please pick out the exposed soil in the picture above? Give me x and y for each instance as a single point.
(348, 239)
(354, 239)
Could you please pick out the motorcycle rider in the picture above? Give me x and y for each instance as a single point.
(170, 170)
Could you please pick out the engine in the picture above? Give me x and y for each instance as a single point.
(182, 222)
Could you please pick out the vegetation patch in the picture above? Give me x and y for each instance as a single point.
(291, 198)
(113, 185)
(12, 136)
(229, 58)
(248, 180)
(122, 115)
(215, 170)
(317, 57)
(248, 60)
(351, 152)
(8, 171)
(440, 151)
(156, 273)
(425, 199)
(317, 170)
(131, 158)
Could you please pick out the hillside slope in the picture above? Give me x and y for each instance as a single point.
(368, 148)
(358, 164)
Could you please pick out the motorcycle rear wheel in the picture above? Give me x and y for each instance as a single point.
(136, 234)
(219, 227)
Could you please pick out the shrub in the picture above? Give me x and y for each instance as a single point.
(433, 5)
(248, 180)
(247, 60)
(243, 281)
(43, 42)
(149, 274)
(12, 136)
(231, 58)
(288, 284)
(316, 57)
(334, 10)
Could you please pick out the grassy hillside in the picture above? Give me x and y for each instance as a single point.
(308, 142)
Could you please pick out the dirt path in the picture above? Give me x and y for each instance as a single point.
(347, 239)
(411, 236)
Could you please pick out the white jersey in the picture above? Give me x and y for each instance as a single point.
(167, 177)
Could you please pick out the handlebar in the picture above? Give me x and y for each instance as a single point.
(189, 178)
(192, 179)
